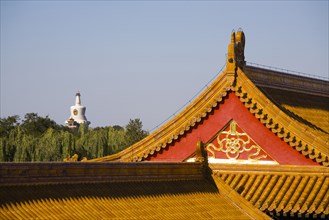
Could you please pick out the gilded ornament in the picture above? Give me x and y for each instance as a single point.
(234, 143)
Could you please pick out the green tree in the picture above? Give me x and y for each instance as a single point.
(3, 149)
(116, 140)
(68, 144)
(99, 141)
(118, 128)
(10, 146)
(7, 124)
(24, 145)
(134, 131)
(41, 139)
(49, 146)
(36, 125)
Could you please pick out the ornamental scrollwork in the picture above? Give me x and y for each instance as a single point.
(233, 143)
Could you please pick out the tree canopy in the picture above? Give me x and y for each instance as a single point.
(37, 138)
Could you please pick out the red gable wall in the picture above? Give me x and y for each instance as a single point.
(231, 108)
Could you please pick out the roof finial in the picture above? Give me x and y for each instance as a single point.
(233, 36)
(230, 65)
(235, 56)
(239, 48)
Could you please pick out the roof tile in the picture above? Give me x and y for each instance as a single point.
(149, 200)
(280, 189)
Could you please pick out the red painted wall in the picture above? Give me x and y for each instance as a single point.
(231, 108)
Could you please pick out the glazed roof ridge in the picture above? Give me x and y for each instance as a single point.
(259, 168)
(287, 72)
(286, 81)
(311, 142)
(71, 173)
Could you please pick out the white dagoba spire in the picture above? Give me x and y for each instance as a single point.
(77, 98)
(77, 113)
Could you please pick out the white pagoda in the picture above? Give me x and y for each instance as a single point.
(77, 114)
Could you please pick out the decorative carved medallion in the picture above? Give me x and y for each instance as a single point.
(75, 112)
(233, 143)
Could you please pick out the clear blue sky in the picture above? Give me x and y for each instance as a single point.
(143, 59)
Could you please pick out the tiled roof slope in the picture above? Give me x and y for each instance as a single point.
(292, 190)
(121, 197)
(138, 200)
(305, 99)
(289, 122)
(254, 88)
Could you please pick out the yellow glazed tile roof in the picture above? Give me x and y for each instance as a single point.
(295, 190)
(298, 126)
(117, 191)
(310, 140)
(196, 199)
(303, 98)
(309, 109)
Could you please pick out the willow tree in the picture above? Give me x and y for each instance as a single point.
(49, 146)
(116, 140)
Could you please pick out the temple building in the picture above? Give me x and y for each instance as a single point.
(248, 115)
(77, 114)
(253, 145)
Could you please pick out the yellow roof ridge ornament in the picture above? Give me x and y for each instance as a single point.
(240, 41)
(235, 55)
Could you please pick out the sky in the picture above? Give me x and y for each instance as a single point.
(143, 59)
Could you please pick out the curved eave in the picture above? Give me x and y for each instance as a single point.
(302, 138)
(179, 124)
(307, 140)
